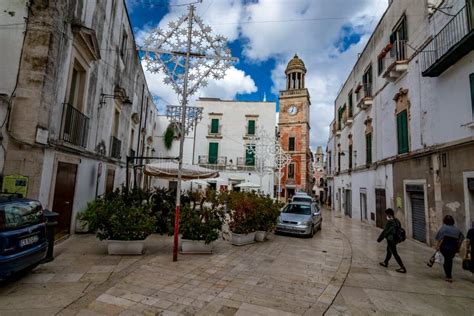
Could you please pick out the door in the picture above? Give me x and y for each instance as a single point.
(418, 216)
(363, 206)
(213, 152)
(64, 196)
(109, 184)
(380, 205)
(348, 203)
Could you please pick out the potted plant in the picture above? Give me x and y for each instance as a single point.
(243, 216)
(124, 219)
(201, 222)
(266, 217)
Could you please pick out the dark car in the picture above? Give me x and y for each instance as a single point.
(23, 242)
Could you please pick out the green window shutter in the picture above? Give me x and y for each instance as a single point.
(471, 78)
(402, 132)
(251, 127)
(368, 148)
(214, 126)
(213, 152)
(350, 104)
(250, 155)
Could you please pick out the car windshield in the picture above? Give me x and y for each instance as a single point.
(301, 199)
(297, 209)
(17, 214)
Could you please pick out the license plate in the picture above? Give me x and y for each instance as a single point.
(28, 241)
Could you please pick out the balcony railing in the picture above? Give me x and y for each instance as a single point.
(293, 92)
(398, 52)
(214, 132)
(242, 162)
(115, 147)
(75, 126)
(454, 41)
(209, 160)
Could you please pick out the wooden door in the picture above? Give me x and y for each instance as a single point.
(109, 184)
(380, 205)
(64, 195)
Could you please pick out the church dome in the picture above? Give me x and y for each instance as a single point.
(295, 64)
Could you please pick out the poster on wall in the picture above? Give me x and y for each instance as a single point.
(15, 183)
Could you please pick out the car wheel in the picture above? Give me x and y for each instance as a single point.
(311, 234)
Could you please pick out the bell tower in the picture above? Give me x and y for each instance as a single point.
(294, 129)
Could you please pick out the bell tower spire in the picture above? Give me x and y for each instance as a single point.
(295, 73)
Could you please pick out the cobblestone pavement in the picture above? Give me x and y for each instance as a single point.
(282, 276)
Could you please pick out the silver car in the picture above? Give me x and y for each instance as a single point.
(300, 218)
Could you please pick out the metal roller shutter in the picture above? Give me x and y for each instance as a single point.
(418, 216)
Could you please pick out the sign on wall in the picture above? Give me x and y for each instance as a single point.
(15, 183)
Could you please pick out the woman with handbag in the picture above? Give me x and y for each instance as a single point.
(470, 246)
(449, 239)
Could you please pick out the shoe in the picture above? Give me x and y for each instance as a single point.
(383, 264)
(449, 280)
(401, 270)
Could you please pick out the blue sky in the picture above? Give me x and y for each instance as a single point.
(264, 35)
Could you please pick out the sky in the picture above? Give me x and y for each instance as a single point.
(264, 35)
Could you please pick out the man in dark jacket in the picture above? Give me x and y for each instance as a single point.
(390, 233)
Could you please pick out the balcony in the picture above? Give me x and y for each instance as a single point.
(115, 147)
(366, 100)
(75, 126)
(213, 133)
(217, 161)
(452, 43)
(397, 60)
(244, 163)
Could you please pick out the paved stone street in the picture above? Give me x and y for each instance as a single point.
(335, 271)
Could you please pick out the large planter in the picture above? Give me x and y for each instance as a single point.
(242, 239)
(195, 246)
(260, 235)
(125, 247)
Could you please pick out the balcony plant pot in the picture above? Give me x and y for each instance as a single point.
(125, 247)
(260, 235)
(189, 246)
(242, 239)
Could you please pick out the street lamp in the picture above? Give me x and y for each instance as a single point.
(125, 100)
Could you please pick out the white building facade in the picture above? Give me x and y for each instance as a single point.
(225, 140)
(74, 100)
(404, 130)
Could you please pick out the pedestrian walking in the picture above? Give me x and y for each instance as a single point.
(470, 246)
(449, 239)
(389, 233)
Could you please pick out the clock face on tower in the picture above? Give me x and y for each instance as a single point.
(292, 110)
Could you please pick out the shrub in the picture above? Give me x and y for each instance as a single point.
(120, 216)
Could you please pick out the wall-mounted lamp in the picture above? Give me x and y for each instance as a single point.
(125, 100)
(153, 151)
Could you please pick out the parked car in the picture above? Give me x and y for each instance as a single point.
(300, 218)
(23, 242)
(302, 198)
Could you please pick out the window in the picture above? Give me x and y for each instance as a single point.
(398, 39)
(291, 171)
(340, 115)
(291, 144)
(213, 152)
(18, 214)
(349, 102)
(402, 132)
(367, 82)
(251, 127)
(215, 126)
(380, 64)
(471, 78)
(350, 157)
(116, 123)
(338, 162)
(76, 89)
(368, 148)
(123, 47)
(330, 162)
(250, 155)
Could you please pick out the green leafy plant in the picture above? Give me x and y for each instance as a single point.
(120, 216)
(169, 136)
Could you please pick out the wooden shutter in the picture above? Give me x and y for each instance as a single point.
(213, 152)
(402, 132)
(214, 126)
(368, 149)
(250, 155)
(251, 127)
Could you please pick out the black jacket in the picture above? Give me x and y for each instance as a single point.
(390, 230)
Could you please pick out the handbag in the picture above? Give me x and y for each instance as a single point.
(439, 258)
(466, 263)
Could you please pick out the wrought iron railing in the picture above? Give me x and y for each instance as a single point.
(210, 131)
(451, 34)
(398, 52)
(115, 147)
(75, 126)
(367, 90)
(210, 160)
